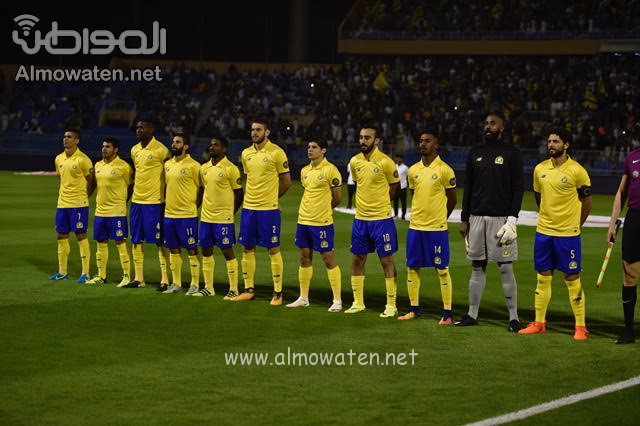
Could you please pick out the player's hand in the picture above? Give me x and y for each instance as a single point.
(508, 233)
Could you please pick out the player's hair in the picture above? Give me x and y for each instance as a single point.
(322, 143)
(223, 141)
(431, 131)
(73, 130)
(373, 127)
(184, 136)
(564, 134)
(262, 120)
(115, 142)
(146, 119)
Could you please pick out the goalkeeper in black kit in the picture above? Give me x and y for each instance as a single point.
(493, 190)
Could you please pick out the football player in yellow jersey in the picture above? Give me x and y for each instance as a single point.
(77, 183)
(266, 167)
(114, 180)
(562, 189)
(432, 183)
(184, 196)
(322, 183)
(221, 200)
(373, 229)
(147, 202)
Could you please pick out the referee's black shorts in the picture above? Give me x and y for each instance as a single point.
(631, 237)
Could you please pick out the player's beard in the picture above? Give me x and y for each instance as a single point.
(176, 152)
(365, 149)
(556, 153)
(491, 137)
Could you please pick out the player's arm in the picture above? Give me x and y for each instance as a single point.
(584, 193)
(238, 196)
(538, 198)
(336, 196)
(452, 199)
(394, 190)
(91, 182)
(618, 204)
(199, 196)
(284, 183)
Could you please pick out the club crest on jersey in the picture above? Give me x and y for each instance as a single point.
(635, 174)
(452, 182)
(119, 233)
(320, 177)
(113, 172)
(225, 240)
(564, 179)
(324, 244)
(387, 247)
(79, 225)
(220, 175)
(335, 182)
(285, 164)
(573, 265)
(506, 252)
(434, 177)
(265, 160)
(499, 160)
(376, 170)
(274, 239)
(437, 260)
(183, 171)
(191, 240)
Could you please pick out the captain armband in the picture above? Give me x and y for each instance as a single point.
(584, 191)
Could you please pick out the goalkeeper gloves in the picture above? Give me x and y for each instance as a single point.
(508, 234)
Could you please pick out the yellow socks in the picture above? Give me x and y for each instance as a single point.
(391, 285)
(138, 262)
(208, 266)
(304, 279)
(175, 264)
(576, 298)
(446, 289)
(335, 280)
(194, 268)
(248, 268)
(163, 256)
(542, 296)
(357, 286)
(102, 258)
(232, 273)
(413, 286)
(85, 255)
(277, 267)
(125, 260)
(63, 255)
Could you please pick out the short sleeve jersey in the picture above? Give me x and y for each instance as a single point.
(373, 177)
(560, 206)
(113, 180)
(315, 205)
(429, 202)
(183, 182)
(73, 171)
(149, 172)
(631, 168)
(263, 169)
(220, 181)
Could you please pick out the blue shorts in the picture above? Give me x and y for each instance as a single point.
(368, 236)
(427, 249)
(146, 223)
(74, 219)
(110, 228)
(222, 235)
(318, 238)
(561, 253)
(181, 232)
(260, 228)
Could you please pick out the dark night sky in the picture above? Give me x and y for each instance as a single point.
(231, 32)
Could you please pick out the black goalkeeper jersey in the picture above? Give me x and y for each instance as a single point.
(493, 181)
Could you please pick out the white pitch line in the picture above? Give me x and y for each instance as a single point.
(557, 403)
